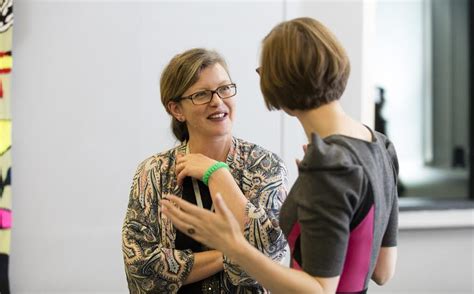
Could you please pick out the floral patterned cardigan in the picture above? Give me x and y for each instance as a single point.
(152, 265)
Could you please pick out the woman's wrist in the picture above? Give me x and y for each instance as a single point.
(237, 248)
(212, 169)
(220, 259)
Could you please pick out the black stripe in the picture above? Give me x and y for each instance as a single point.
(4, 284)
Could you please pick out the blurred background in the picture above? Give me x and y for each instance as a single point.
(86, 109)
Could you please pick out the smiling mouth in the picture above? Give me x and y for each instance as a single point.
(217, 116)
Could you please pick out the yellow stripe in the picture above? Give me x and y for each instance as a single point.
(5, 241)
(5, 135)
(6, 62)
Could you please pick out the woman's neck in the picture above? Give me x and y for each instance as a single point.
(216, 148)
(329, 119)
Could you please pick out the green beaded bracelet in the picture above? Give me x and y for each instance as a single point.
(212, 169)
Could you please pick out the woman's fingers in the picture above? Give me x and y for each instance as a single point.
(179, 168)
(180, 163)
(191, 212)
(190, 219)
(223, 209)
(213, 229)
(305, 148)
(175, 209)
(181, 175)
(173, 213)
(187, 165)
(229, 232)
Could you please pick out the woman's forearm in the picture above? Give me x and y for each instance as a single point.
(222, 231)
(222, 181)
(385, 266)
(277, 278)
(205, 265)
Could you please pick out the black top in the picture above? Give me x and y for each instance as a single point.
(182, 241)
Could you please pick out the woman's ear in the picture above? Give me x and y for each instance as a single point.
(176, 111)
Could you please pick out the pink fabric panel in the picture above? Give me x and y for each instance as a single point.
(357, 263)
(294, 234)
(5, 219)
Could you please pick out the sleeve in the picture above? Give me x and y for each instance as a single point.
(391, 233)
(266, 186)
(150, 266)
(393, 156)
(327, 201)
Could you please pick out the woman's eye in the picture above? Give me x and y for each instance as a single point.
(224, 88)
(200, 95)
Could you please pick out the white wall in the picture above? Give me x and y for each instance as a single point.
(433, 261)
(86, 111)
(398, 68)
(450, 79)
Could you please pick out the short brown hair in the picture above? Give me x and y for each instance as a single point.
(180, 74)
(303, 66)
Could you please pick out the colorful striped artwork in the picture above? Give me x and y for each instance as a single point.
(6, 31)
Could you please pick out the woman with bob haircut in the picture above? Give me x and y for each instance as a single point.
(198, 93)
(340, 217)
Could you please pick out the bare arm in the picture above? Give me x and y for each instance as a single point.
(277, 278)
(260, 227)
(205, 265)
(256, 207)
(222, 181)
(194, 165)
(274, 277)
(385, 267)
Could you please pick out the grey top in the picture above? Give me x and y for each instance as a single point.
(340, 180)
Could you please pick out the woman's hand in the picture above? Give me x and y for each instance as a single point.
(219, 230)
(192, 165)
(305, 148)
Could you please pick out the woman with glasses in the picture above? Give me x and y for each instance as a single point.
(198, 93)
(340, 217)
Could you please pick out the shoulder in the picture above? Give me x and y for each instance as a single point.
(385, 141)
(255, 154)
(390, 149)
(331, 168)
(328, 155)
(159, 161)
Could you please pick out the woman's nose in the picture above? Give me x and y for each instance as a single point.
(215, 99)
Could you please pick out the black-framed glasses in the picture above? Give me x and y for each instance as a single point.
(205, 96)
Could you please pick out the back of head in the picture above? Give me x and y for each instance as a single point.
(180, 74)
(303, 66)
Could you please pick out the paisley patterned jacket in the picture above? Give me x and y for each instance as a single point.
(152, 265)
